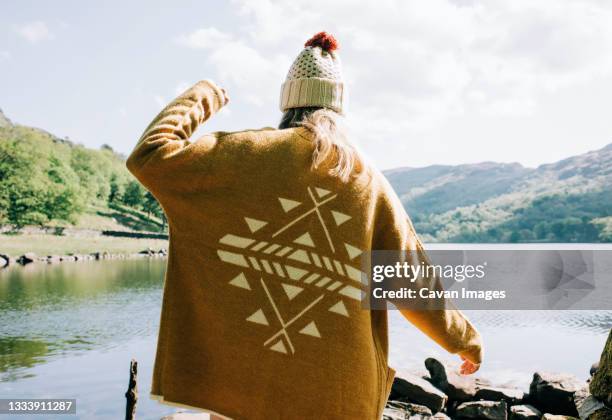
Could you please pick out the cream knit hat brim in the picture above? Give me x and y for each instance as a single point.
(312, 91)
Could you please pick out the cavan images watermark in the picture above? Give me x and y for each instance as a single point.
(524, 279)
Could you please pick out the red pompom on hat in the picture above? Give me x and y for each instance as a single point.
(323, 40)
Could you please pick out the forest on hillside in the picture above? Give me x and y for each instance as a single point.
(48, 181)
(45, 179)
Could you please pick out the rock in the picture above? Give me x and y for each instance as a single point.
(455, 386)
(53, 259)
(492, 410)
(585, 403)
(398, 410)
(96, 255)
(594, 368)
(411, 388)
(554, 393)
(524, 412)
(147, 251)
(27, 258)
(510, 395)
(441, 416)
(603, 414)
(601, 383)
(5, 260)
(557, 417)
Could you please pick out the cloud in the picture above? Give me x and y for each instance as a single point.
(410, 66)
(257, 74)
(35, 32)
(5, 55)
(204, 38)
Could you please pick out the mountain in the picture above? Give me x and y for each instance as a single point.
(48, 180)
(566, 201)
(4, 121)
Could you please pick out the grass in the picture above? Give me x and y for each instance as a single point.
(100, 216)
(40, 244)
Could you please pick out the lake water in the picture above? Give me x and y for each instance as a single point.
(70, 330)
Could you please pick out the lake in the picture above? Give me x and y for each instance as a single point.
(69, 331)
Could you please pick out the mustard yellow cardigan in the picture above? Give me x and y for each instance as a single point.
(261, 315)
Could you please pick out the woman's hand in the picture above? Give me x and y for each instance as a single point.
(467, 367)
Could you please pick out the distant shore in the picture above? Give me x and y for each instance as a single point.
(58, 246)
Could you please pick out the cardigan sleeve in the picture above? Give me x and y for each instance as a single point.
(449, 327)
(164, 156)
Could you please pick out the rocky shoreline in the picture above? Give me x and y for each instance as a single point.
(444, 394)
(31, 258)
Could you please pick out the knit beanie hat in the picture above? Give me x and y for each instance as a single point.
(315, 77)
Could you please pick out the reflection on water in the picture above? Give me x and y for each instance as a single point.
(69, 330)
(17, 352)
(50, 310)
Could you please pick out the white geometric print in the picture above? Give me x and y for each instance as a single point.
(292, 265)
(339, 308)
(287, 204)
(304, 239)
(254, 224)
(240, 281)
(340, 218)
(291, 291)
(259, 318)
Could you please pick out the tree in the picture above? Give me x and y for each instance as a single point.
(133, 195)
(113, 194)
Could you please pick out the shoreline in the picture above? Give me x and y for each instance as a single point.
(28, 258)
(44, 247)
(441, 394)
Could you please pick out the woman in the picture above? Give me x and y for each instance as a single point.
(261, 314)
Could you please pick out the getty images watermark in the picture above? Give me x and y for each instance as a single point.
(487, 279)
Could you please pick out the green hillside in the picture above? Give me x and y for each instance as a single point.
(568, 201)
(52, 182)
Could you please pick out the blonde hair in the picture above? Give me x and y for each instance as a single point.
(331, 146)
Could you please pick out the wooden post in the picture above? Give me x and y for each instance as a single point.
(131, 395)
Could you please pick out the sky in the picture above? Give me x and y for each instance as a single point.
(429, 82)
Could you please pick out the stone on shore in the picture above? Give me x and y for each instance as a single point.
(510, 395)
(554, 393)
(399, 410)
(491, 410)
(548, 416)
(586, 404)
(594, 368)
(455, 386)
(603, 414)
(27, 258)
(524, 412)
(601, 383)
(5, 260)
(413, 389)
